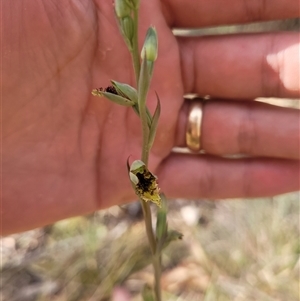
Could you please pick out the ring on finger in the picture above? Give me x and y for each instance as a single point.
(194, 126)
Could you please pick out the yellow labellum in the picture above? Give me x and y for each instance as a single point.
(145, 183)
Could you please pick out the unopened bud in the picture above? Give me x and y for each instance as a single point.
(122, 9)
(127, 26)
(125, 91)
(112, 94)
(150, 46)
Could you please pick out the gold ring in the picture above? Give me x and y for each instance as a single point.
(193, 127)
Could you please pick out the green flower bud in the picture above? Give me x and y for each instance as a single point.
(112, 94)
(150, 47)
(122, 9)
(127, 27)
(125, 90)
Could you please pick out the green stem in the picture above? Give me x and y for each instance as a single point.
(145, 159)
(148, 225)
(135, 47)
(157, 275)
(145, 147)
(146, 118)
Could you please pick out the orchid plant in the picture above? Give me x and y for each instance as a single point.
(142, 180)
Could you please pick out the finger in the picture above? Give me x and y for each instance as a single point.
(203, 176)
(246, 127)
(242, 66)
(191, 13)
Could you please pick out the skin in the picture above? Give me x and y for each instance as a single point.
(64, 151)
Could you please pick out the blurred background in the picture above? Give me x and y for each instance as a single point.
(241, 249)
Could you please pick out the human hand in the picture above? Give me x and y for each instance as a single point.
(64, 151)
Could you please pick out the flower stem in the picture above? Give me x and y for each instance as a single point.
(135, 47)
(148, 225)
(157, 275)
(145, 128)
(146, 117)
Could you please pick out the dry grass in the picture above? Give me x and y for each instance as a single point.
(232, 250)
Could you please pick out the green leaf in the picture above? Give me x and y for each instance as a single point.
(114, 98)
(149, 118)
(161, 224)
(172, 235)
(154, 122)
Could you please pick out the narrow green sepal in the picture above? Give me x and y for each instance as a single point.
(113, 97)
(126, 91)
(154, 122)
